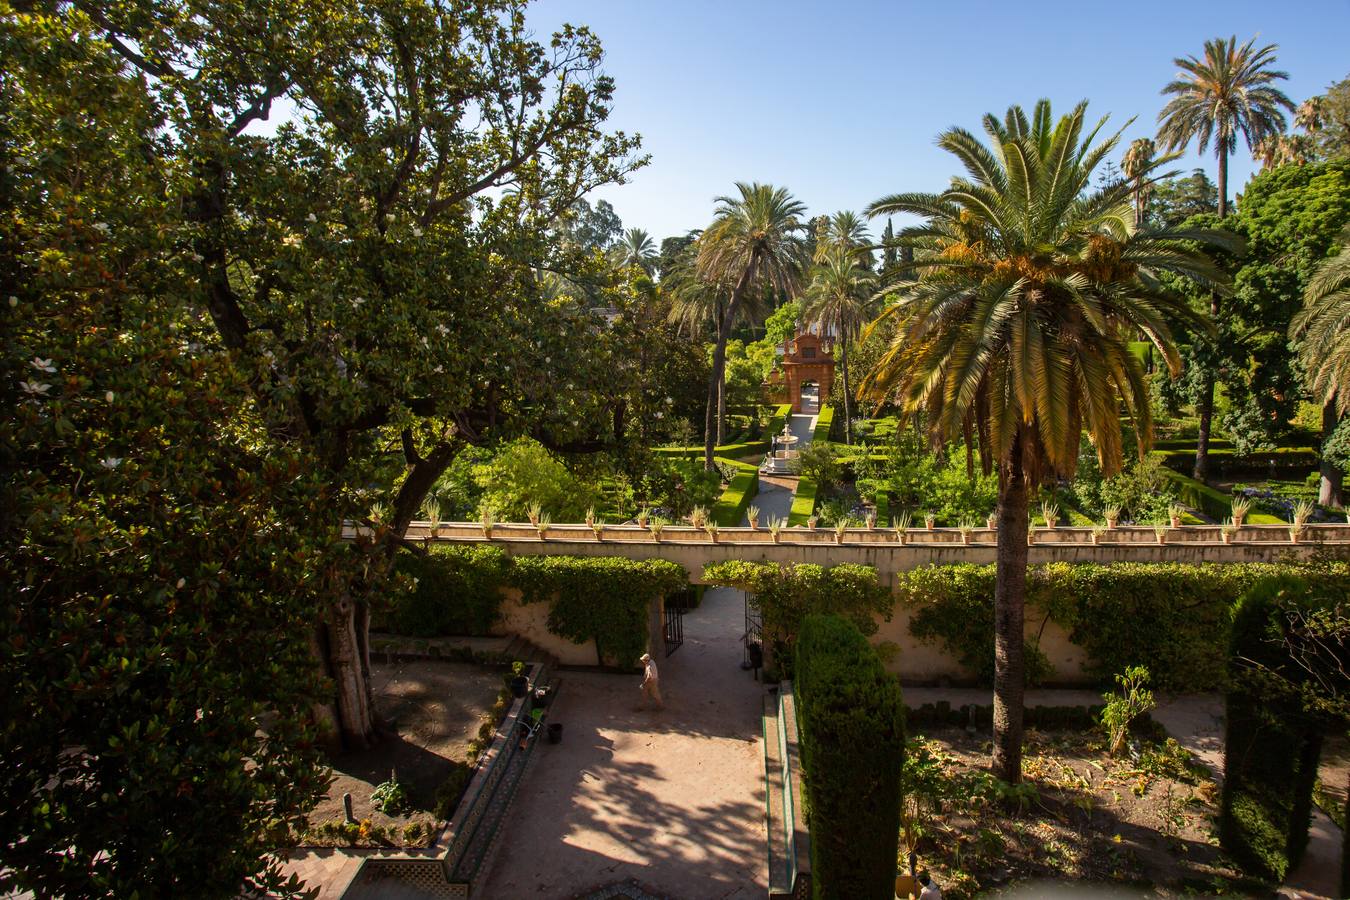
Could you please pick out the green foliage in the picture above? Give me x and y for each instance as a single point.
(605, 599)
(852, 744)
(1212, 502)
(1290, 652)
(782, 322)
(820, 463)
(955, 606)
(1123, 708)
(730, 508)
(1171, 618)
(448, 589)
(786, 595)
(803, 502)
(1141, 490)
(391, 797)
(920, 479)
(824, 424)
(523, 472)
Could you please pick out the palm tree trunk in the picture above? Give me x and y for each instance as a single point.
(719, 365)
(1009, 598)
(848, 407)
(1329, 492)
(1206, 410)
(722, 409)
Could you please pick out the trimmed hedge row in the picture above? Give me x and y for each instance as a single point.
(803, 502)
(732, 451)
(1273, 736)
(778, 419)
(1173, 618)
(1282, 461)
(450, 589)
(1213, 503)
(729, 510)
(852, 743)
(824, 423)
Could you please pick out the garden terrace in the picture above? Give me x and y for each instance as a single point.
(693, 548)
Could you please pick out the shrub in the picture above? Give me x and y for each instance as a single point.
(452, 789)
(390, 797)
(852, 744)
(1277, 716)
(824, 425)
(446, 589)
(1122, 709)
(820, 463)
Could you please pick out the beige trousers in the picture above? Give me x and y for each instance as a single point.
(651, 693)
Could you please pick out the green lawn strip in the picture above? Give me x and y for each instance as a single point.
(803, 502)
(744, 449)
(779, 417)
(729, 510)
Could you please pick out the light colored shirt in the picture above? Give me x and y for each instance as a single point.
(649, 672)
(931, 892)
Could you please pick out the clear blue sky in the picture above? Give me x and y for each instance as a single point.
(840, 102)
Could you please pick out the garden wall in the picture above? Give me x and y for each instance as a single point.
(530, 621)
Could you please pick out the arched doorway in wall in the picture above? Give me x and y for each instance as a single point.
(810, 397)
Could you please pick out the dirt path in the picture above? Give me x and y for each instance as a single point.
(673, 799)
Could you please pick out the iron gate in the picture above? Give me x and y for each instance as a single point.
(754, 635)
(674, 632)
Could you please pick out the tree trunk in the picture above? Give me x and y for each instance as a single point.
(349, 667)
(722, 408)
(1329, 492)
(1206, 410)
(848, 401)
(1009, 598)
(719, 365)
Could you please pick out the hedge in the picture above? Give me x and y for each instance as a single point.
(851, 715)
(731, 451)
(1271, 744)
(803, 502)
(1213, 503)
(729, 510)
(1172, 618)
(447, 589)
(1292, 461)
(458, 590)
(824, 422)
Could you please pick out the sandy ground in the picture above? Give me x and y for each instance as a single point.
(673, 799)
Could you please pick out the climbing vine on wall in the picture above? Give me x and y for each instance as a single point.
(605, 599)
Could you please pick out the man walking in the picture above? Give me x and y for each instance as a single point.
(651, 683)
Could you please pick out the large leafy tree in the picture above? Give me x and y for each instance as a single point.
(1225, 93)
(839, 299)
(1015, 336)
(163, 556)
(753, 245)
(372, 263)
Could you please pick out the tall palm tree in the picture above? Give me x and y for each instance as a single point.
(1322, 331)
(1138, 159)
(1015, 338)
(1226, 93)
(1311, 114)
(843, 229)
(839, 300)
(636, 248)
(753, 245)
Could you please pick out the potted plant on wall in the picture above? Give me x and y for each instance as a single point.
(698, 517)
(598, 526)
(1098, 532)
(590, 517)
(711, 528)
(487, 520)
(655, 526)
(929, 520)
(1241, 506)
(643, 516)
(1050, 512)
(1228, 530)
(812, 521)
(533, 512)
(902, 526)
(541, 525)
(991, 521)
(1112, 514)
(433, 510)
(967, 529)
(840, 530)
(1160, 532)
(776, 528)
(752, 514)
(1174, 514)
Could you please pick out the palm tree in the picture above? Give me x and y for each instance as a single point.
(1138, 160)
(1225, 94)
(636, 248)
(843, 229)
(1015, 338)
(839, 300)
(752, 245)
(1322, 331)
(1311, 114)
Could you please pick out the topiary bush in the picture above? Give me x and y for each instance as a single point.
(1287, 691)
(851, 716)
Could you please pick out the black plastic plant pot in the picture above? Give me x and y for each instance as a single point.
(520, 685)
(555, 732)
